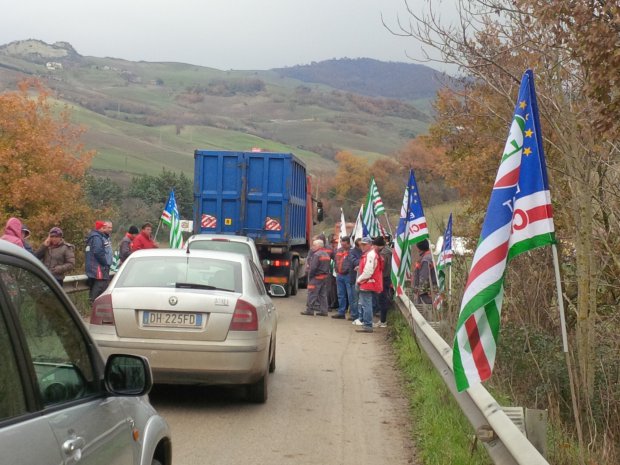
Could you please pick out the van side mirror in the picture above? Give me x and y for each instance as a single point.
(319, 211)
(128, 375)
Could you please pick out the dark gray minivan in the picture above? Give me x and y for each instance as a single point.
(59, 402)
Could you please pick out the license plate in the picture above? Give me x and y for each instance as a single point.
(171, 319)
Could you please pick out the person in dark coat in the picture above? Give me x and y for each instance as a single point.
(343, 277)
(332, 287)
(25, 236)
(318, 271)
(98, 258)
(124, 249)
(355, 255)
(424, 276)
(57, 255)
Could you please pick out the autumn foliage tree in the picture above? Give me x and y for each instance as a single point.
(42, 165)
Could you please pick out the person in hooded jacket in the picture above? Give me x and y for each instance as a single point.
(57, 255)
(98, 258)
(13, 232)
(25, 236)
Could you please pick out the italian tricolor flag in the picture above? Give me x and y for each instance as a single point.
(519, 218)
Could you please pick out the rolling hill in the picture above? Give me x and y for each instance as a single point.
(142, 116)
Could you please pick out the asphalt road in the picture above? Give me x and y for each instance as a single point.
(335, 398)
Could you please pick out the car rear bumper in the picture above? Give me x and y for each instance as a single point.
(179, 362)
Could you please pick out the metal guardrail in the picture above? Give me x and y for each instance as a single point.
(73, 284)
(504, 441)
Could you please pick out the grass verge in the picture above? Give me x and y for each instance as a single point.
(442, 434)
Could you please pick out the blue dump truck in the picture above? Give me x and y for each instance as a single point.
(262, 195)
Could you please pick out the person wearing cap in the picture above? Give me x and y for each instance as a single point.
(144, 240)
(383, 298)
(370, 280)
(98, 258)
(124, 249)
(26, 235)
(57, 255)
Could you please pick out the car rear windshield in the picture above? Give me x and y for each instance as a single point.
(223, 246)
(168, 271)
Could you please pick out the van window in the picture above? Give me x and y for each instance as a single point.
(59, 353)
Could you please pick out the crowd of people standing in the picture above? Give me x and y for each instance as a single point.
(58, 256)
(360, 276)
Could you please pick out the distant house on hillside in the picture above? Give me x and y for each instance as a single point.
(53, 65)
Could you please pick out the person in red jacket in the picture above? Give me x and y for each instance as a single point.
(144, 239)
(369, 280)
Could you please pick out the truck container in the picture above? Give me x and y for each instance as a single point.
(262, 195)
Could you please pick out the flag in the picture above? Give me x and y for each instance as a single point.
(116, 262)
(170, 217)
(412, 228)
(443, 261)
(359, 230)
(377, 203)
(343, 228)
(519, 218)
(373, 207)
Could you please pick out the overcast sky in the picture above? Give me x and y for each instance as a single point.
(223, 34)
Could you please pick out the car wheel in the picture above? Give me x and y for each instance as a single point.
(272, 363)
(257, 392)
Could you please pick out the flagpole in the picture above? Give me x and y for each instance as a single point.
(569, 365)
(157, 230)
(450, 280)
(387, 220)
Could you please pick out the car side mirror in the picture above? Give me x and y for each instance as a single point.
(319, 211)
(128, 375)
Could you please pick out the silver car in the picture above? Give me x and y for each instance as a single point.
(200, 317)
(226, 243)
(59, 403)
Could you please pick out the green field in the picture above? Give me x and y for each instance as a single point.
(141, 117)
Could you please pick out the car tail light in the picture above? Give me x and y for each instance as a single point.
(103, 313)
(281, 263)
(245, 317)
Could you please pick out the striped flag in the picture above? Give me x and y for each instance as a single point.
(372, 209)
(377, 203)
(443, 261)
(359, 230)
(170, 217)
(519, 218)
(411, 228)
